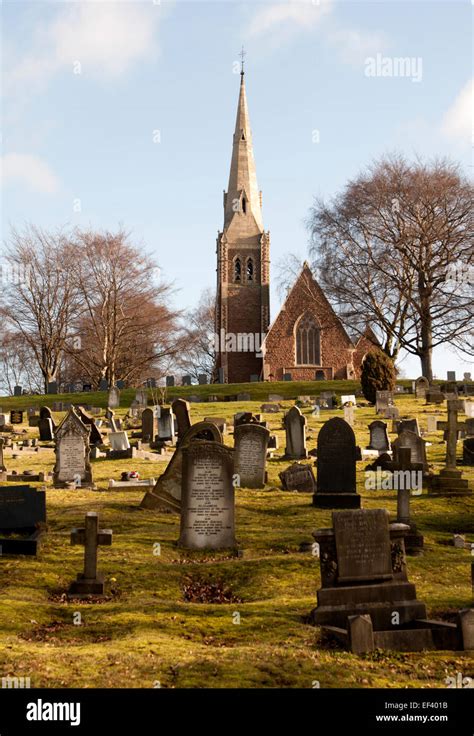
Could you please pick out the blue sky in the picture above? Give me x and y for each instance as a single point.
(123, 112)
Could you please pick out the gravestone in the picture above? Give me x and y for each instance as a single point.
(254, 378)
(451, 375)
(250, 453)
(95, 437)
(22, 519)
(219, 422)
(378, 437)
(119, 441)
(450, 481)
(3, 468)
(348, 399)
(270, 408)
(295, 428)
(90, 582)
(45, 428)
(120, 385)
(434, 395)
(72, 453)
(181, 410)
(45, 413)
(166, 495)
(202, 379)
(466, 622)
(421, 387)
(16, 416)
(363, 574)
(392, 412)
(103, 384)
(141, 397)
(243, 397)
(52, 387)
(186, 381)
(336, 466)
(170, 381)
(287, 377)
(469, 409)
(432, 423)
(416, 444)
(383, 399)
(17, 390)
(409, 424)
(468, 451)
(349, 414)
(114, 398)
(298, 477)
(166, 431)
(207, 513)
(149, 424)
(405, 470)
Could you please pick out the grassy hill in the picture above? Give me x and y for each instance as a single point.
(149, 628)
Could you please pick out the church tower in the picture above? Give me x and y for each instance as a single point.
(243, 265)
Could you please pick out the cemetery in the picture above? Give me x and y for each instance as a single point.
(237, 540)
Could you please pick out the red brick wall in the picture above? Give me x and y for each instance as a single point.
(336, 346)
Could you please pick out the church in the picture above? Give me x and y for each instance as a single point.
(306, 341)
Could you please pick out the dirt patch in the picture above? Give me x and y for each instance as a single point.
(206, 591)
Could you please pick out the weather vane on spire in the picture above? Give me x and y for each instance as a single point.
(242, 60)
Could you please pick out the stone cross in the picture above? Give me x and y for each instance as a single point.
(91, 537)
(453, 427)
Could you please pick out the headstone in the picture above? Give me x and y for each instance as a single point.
(409, 424)
(166, 494)
(459, 541)
(319, 376)
(119, 441)
(383, 399)
(114, 398)
(52, 387)
(251, 443)
(326, 399)
(466, 622)
(378, 437)
(450, 481)
(72, 453)
(434, 395)
(186, 381)
(361, 634)
(103, 384)
(295, 428)
(141, 397)
(287, 377)
(416, 444)
(90, 582)
(3, 469)
(336, 466)
(181, 409)
(432, 423)
(243, 397)
(219, 422)
(467, 377)
(22, 518)
(270, 408)
(149, 424)
(392, 412)
(120, 385)
(207, 513)
(16, 416)
(17, 390)
(45, 428)
(468, 451)
(166, 431)
(298, 477)
(421, 387)
(170, 381)
(95, 437)
(349, 414)
(202, 379)
(469, 409)
(348, 399)
(451, 375)
(254, 378)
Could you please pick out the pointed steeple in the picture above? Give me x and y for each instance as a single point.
(243, 197)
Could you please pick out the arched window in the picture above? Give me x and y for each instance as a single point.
(237, 270)
(244, 205)
(308, 341)
(250, 271)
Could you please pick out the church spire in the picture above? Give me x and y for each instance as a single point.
(243, 196)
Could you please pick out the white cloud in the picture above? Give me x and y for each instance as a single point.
(106, 38)
(284, 18)
(457, 122)
(30, 170)
(354, 45)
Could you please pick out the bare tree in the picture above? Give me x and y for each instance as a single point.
(199, 355)
(125, 327)
(395, 249)
(39, 301)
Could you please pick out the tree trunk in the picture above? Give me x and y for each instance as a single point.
(426, 331)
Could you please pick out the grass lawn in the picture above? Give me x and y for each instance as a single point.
(145, 632)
